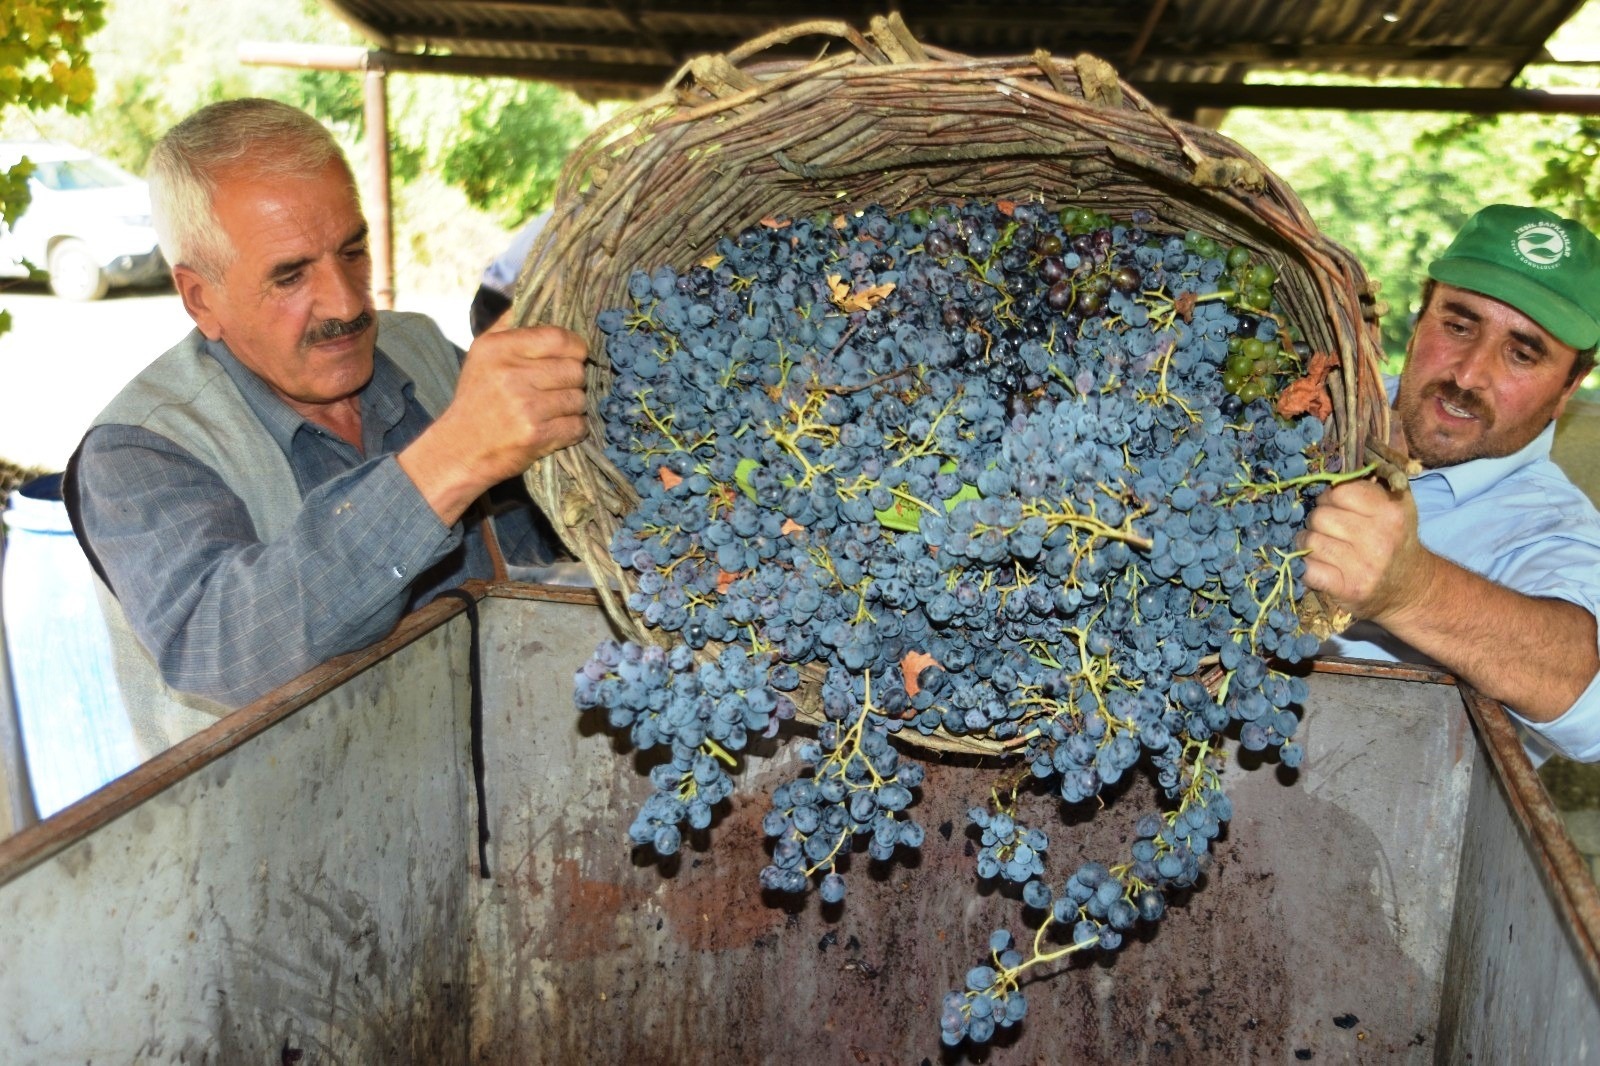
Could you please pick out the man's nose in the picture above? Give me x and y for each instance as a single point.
(1475, 369)
(342, 292)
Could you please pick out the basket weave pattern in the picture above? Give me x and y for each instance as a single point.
(882, 119)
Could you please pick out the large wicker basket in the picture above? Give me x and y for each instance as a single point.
(879, 118)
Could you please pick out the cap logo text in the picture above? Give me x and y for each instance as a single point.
(1540, 244)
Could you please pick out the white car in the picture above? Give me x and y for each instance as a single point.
(87, 226)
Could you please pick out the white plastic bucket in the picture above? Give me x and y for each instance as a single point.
(75, 730)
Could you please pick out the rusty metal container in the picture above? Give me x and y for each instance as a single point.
(301, 883)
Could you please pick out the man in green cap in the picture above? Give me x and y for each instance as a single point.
(1490, 565)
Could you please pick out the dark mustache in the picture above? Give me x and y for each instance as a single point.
(333, 328)
(1466, 399)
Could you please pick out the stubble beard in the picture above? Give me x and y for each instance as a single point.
(1420, 442)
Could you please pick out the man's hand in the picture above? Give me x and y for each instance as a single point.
(520, 398)
(1534, 655)
(1365, 554)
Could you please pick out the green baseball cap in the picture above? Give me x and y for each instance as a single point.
(1545, 266)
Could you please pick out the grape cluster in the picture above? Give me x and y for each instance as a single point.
(993, 472)
(988, 1003)
(700, 711)
(858, 784)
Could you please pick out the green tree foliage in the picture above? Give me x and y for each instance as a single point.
(1394, 188)
(456, 192)
(44, 63)
(510, 147)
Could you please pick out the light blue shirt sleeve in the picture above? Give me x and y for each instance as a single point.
(1520, 522)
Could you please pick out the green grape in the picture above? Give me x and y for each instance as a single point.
(1252, 349)
(1240, 364)
(1238, 257)
(1260, 299)
(1234, 380)
(919, 216)
(1262, 276)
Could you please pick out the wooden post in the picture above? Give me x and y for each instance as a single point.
(379, 214)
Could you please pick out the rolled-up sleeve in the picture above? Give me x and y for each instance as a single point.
(1564, 569)
(225, 615)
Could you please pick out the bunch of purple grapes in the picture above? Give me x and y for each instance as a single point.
(988, 468)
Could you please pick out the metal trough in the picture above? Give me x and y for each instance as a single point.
(300, 884)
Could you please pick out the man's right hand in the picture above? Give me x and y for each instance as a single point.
(1365, 554)
(520, 398)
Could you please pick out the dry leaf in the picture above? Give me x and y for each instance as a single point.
(711, 262)
(791, 526)
(911, 667)
(1184, 305)
(772, 222)
(1006, 207)
(725, 581)
(669, 477)
(863, 300)
(1309, 395)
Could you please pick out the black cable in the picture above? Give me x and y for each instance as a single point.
(476, 726)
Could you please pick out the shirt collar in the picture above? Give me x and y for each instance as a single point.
(383, 400)
(1468, 479)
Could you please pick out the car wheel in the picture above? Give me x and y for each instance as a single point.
(74, 274)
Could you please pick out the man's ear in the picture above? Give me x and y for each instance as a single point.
(1572, 386)
(199, 297)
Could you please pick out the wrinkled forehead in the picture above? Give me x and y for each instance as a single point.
(270, 219)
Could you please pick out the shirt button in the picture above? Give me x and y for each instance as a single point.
(399, 572)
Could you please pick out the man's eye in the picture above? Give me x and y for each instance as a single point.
(284, 281)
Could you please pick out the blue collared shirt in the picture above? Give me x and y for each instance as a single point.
(1520, 522)
(229, 616)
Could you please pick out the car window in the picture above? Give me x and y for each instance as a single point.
(66, 175)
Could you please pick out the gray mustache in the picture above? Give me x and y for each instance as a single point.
(333, 329)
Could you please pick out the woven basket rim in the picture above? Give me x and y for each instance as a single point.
(712, 136)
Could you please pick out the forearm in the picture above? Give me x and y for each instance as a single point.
(229, 617)
(520, 398)
(337, 581)
(1534, 655)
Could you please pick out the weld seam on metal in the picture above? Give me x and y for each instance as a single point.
(475, 690)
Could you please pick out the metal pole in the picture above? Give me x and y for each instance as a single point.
(379, 216)
(17, 809)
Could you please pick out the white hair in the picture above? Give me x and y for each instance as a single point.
(264, 138)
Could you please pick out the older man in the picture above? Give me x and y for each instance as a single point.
(299, 471)
(1490, 565)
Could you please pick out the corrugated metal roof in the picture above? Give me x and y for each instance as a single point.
(629, 47)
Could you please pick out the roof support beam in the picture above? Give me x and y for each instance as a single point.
(1191, 95)
(1181, 97)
